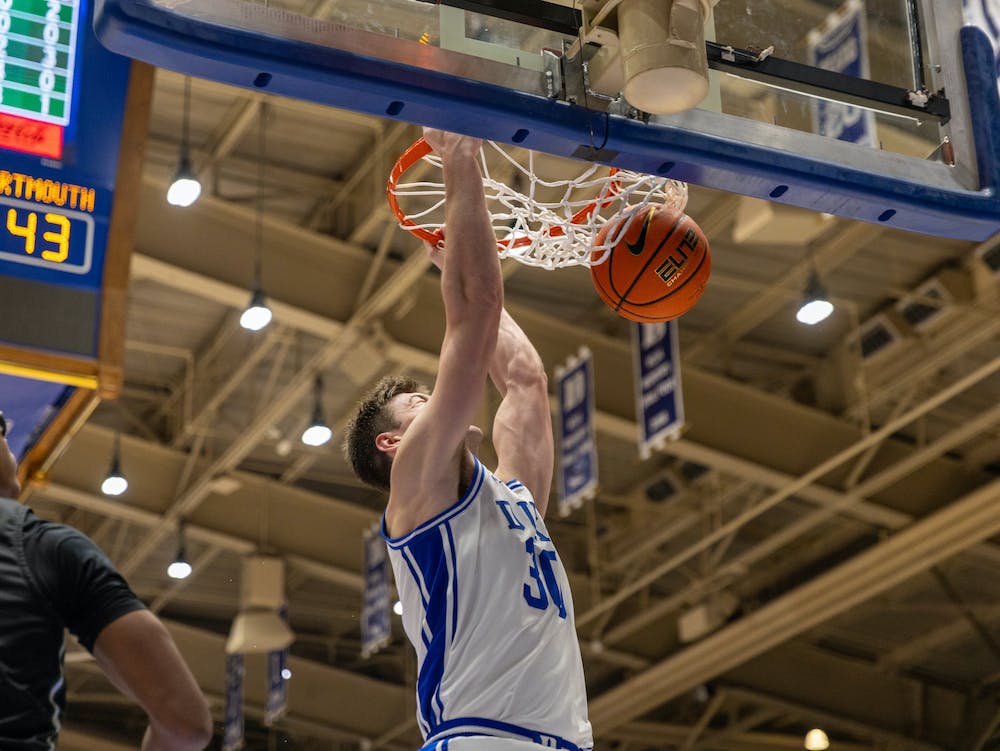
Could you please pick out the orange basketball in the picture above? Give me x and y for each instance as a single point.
(658, 270)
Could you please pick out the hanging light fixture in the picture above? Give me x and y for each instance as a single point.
(816, 306)
(257, 314)
(816, 740)
(179, 568)
(115, 482)
(185, 188)
(318, 431)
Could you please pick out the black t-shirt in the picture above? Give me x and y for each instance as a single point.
(52, 577)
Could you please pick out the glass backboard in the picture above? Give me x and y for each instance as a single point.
(880, 110)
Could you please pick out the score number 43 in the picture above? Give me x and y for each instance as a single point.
(29, 231)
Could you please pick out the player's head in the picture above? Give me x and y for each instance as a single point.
(376, 414)
(9, 486)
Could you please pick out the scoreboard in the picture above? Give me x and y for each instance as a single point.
(38, 54)
(59, 237)
(73, 118)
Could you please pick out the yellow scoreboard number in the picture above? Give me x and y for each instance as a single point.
(55, 238)
(30, 234)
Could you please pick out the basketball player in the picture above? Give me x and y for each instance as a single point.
(486, 602)
(52, 577)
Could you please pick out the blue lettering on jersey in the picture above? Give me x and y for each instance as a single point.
(538, 601)
(541, 570)
(531, 511)
(542, 587)
(512, 522)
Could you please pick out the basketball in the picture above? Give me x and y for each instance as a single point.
(659, 268)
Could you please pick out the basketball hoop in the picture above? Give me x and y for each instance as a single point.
(552, 224)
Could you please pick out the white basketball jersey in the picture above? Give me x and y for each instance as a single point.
(487, 606)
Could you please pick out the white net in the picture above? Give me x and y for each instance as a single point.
(547, 222)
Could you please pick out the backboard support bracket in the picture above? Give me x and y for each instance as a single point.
(561, 19)
(828, 84)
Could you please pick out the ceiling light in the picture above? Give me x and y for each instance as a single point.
(316, 435)
(318, 431)
(179, 568)
(815, 307)
(115, 482)
(816, 740)
(397, 607)
(286, 674)
(185, 188)
(257, 315)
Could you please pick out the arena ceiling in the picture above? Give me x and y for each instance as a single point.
(831, 509)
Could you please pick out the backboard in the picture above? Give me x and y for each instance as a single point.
(880, 110)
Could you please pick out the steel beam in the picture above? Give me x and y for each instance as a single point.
(965, 522)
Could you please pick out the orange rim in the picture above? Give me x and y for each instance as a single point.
(420, 148)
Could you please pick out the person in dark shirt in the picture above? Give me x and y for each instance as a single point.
(53, 577)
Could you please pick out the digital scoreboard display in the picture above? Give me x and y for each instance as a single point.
(63, 107)
(37, 58)
(38, 61)
(73, 118)
(46, 235)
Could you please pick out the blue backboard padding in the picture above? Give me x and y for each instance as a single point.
(425, 97)
(30, 406)
(981, 84)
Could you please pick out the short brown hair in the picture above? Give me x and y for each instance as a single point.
(371, 418)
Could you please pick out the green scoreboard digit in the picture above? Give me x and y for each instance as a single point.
(38, 62)
(37, 58)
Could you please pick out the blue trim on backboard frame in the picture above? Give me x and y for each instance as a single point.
(426, 97)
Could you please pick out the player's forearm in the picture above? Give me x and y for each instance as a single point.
(139, 656)
(157, 739)
(471, 277)
(515, 360)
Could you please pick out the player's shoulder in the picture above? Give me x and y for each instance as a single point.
(60, 556)
(408, 514)
(514, 485)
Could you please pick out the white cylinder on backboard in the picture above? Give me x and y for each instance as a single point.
(663, 53)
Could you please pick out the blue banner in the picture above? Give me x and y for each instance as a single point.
(577, 442)
(657, 369)
(232, 733)
(840, 44)
(277, 686)
(376, 627)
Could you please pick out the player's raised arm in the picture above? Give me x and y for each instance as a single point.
(522, 427)
(472, 291)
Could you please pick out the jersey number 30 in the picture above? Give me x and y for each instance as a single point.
(543, 586)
